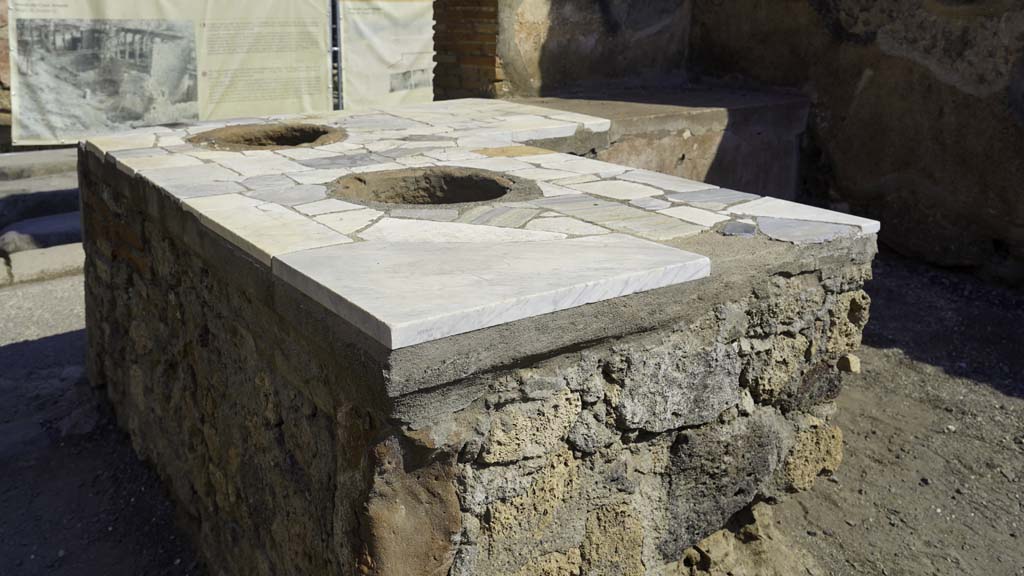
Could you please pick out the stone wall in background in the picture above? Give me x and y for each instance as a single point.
(548, 45)
(465, 40)
(918, 111)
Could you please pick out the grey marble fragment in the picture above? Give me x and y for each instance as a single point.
(803, 231)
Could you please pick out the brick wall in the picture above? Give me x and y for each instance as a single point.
(466, 41)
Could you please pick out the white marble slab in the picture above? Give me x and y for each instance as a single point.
(133, 164)
(195, 181)
(493, 164)
(618, 190)
(803, 231)
(694, 215)
(402, 230)
(291, 195)
(262, 165)
(327, 206)
(406, 294)
(551, 190)
(414, 275)
(104, 144)
(665, 181)
(586, 166)
(263, 230)
(775, 208)
(566, 225)
(319, 176)
(714, 199)
(541, 174)
(434, 214)
(591, 123)
(349, 221)
(306, 153)
(651, 203)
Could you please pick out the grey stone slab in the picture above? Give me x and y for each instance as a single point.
(327, 206)
(269, 181)
(650, 203)
(435, 214)
(714, 199)
(803, 231)
(346, 161)
(404, 152)
(620, 217)
(503, 216)
(296, 194)
(738, 229)
(657, 227)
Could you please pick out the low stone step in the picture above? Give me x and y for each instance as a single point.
(41, 232)
(18, 165)
(743, 140)
(37, 196)
(42, 264)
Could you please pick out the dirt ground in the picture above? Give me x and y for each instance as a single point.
(931, 484)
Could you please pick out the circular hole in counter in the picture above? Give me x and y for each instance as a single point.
(268, 137)
(432, 186)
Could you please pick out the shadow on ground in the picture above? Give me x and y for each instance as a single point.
(968, 327)
(74, 499)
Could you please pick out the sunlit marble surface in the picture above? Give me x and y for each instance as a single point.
(410, 274)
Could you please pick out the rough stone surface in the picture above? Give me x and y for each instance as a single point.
(545, 45)
(537, 447)
(746, 140)
(917, 111)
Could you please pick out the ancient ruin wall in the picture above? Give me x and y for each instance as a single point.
(499, 48)
(266, 418)
(918, 111)
(550, 45)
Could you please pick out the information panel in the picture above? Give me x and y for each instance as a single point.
(88, 67)
(387, 52)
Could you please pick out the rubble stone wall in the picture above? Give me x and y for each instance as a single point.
(267, 419)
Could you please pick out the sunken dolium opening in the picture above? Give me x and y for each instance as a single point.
(268, 137)
(432, 186)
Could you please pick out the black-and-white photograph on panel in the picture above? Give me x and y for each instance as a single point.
(80, 77)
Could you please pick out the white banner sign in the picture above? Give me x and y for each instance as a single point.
(87, 67)
(387, 52)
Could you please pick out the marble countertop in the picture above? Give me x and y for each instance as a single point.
(412, 274)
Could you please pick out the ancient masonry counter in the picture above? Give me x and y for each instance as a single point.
(415, 341)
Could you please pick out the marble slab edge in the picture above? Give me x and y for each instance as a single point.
(292, 268)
